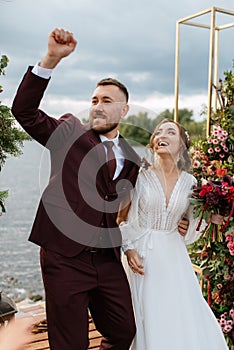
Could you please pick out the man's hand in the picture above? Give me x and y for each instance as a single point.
(61, 44)
(183, 225)
(134, 261)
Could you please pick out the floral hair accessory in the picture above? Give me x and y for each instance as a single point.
(187, 135)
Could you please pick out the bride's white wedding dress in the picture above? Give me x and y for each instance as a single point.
(171, 313)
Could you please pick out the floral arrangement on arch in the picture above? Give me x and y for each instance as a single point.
(213, 200)
(212, 157)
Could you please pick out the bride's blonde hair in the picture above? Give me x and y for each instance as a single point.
(184, 161)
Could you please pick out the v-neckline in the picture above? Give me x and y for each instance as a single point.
(167, 205)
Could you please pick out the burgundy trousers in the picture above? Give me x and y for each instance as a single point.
(88, 281)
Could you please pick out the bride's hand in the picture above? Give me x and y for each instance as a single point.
(183, 225)
(134, 261)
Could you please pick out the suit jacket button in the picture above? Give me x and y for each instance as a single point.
(106, 197)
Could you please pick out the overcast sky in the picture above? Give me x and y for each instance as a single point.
(131, 40)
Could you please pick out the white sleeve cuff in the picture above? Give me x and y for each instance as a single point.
(128, 246)
(42, 72)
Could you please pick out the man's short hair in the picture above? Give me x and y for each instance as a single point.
(111, 81)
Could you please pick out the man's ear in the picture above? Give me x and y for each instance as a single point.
(125, 110)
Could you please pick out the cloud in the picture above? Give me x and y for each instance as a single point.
(132, 41)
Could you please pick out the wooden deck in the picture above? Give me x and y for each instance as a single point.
(40, 335)
(40, 340)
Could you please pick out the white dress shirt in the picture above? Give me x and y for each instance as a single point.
(42, 72)
(118, 153)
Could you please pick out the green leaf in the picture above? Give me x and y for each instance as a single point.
(3, 194)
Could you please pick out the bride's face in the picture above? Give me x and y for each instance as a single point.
(167, 140)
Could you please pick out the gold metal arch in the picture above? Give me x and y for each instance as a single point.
(213, 55)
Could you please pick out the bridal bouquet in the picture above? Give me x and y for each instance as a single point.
(213, 201)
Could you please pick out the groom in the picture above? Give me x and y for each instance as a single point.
(92, 169)
(75, 224)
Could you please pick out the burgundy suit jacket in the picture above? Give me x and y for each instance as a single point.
(80, 203)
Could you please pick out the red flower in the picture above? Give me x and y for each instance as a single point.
(220, 172)
(205, 189)
(215, 197)
(230, 195)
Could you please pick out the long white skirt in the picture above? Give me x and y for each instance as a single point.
(171, 312)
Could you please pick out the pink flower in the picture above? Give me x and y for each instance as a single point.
(215, 141)
(209, 141)
(196, 164)
(215, 133)
(210, 150)
(219, 132)
(221, 137)
(217, 149)
(227, 329)
(222, 322)
(224, 133)
(225, 149)
(231, 313)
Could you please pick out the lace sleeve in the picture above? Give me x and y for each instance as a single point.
(192, 235)
(130, 229)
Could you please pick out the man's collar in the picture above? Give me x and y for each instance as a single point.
(115, 140)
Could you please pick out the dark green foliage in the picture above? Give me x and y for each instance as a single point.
(139, 127)
(11, 137)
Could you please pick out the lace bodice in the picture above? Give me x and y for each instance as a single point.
(148, 210)
(152, 210)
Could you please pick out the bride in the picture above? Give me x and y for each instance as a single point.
(170, 310)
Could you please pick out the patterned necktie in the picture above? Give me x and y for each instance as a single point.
(111, 161)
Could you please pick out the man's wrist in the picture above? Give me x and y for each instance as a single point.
(49, 61)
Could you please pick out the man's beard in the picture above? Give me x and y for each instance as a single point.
(104, 129)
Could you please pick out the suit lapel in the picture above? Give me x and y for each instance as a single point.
(131, 157)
